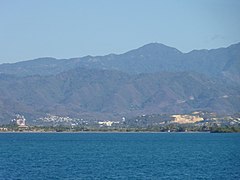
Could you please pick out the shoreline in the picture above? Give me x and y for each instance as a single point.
(109, 132)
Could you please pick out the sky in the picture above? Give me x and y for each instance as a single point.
(76, 28)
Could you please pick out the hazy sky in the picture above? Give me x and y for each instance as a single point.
(75, 28)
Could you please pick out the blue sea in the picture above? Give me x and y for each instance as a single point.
(119, 156)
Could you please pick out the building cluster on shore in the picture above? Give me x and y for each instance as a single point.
(196, 121)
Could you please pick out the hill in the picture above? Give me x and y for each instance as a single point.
(104, 94)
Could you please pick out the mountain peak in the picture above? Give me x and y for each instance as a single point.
(157, 48)
(155, 44)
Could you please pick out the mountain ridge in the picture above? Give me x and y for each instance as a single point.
(153, 57)
(149, 80)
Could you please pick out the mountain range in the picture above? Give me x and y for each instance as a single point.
(152, 79)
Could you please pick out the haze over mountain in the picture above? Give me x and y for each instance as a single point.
(151, 79)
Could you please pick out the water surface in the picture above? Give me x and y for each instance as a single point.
(119, 156)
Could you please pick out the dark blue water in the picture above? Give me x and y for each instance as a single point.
(119, 156)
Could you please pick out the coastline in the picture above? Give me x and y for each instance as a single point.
(107, 132)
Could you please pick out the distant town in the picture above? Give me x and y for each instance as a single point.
(197, 121)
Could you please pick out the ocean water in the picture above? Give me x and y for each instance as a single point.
(119, 156)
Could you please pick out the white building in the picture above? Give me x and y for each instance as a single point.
(20, 121)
